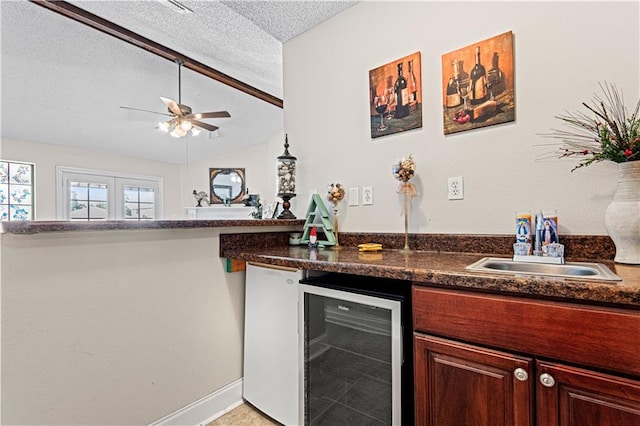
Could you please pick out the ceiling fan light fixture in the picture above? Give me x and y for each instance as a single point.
(186, 125)
(195, 131)
(178, 132)
(164, 126)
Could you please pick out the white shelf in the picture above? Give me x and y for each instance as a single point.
(222, 212)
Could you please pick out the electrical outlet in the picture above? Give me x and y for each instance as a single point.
(367, 195)
(456, 188)
(353, 197)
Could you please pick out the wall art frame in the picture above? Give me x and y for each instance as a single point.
(471, 98)
(395, 96)
(227, 185)
(269, 209)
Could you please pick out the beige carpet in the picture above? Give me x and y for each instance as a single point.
(244, 415)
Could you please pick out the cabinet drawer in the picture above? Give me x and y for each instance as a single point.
(594, 336)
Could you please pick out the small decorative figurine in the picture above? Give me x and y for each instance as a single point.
(251, 200)
(313, 238)
(200, 197)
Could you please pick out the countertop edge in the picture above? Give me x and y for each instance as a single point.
(537, 287)
(34, 227)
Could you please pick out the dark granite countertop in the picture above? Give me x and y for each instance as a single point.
(447, 269)
(33, 227)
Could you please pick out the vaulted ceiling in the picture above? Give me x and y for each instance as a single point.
(63, 82)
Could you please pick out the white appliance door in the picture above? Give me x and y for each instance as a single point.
(271, 341)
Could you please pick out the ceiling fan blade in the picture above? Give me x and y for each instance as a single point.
(145, 110)
(172, 105)
(205, 126)
(217, 114)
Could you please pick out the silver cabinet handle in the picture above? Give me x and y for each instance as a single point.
(547, 380)
(521, 374)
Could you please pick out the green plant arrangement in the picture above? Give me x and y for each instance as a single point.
(606, 133)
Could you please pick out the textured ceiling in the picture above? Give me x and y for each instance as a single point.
(63, 82)
(287, 19)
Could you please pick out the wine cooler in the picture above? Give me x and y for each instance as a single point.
(351, 348)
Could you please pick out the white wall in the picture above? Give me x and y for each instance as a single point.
(116, 327)
(47, 156)
(562, 50)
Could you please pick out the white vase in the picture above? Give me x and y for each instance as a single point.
(622, 217)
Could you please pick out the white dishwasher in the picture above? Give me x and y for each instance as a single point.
(271, 341)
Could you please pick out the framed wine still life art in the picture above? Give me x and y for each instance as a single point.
(395, 96)
(478, 85)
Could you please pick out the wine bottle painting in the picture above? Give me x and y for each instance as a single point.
(478, 85)
(395, 96)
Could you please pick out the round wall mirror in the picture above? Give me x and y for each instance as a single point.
(227, 185)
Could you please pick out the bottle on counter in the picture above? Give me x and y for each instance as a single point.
(478, 84)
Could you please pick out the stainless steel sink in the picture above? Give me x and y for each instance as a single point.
(579, 270)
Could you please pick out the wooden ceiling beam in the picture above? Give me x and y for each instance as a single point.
(80, 15)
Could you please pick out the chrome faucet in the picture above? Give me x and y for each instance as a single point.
(537, 237)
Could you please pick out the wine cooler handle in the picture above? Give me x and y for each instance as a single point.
(547, 380)
(521, 374)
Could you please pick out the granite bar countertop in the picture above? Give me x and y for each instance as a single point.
(33, 227)
(447, 269)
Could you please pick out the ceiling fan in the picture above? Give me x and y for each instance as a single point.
(182, 120)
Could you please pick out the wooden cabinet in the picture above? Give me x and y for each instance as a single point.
(498, 360)
(459, 384)
(576, 397)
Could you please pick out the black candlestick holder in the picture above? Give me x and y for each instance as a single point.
(286, 213)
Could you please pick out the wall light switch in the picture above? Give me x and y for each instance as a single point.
(367, 195)
(353, 197)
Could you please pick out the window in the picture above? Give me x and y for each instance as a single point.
(16, 191)
(139, 203)
(97, 195)
(88, 201)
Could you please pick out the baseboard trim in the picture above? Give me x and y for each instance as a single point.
(200, 412)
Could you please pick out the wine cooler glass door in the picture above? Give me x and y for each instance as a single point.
(351, 358)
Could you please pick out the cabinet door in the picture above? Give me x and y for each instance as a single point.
(459, 384)
(571, 396)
